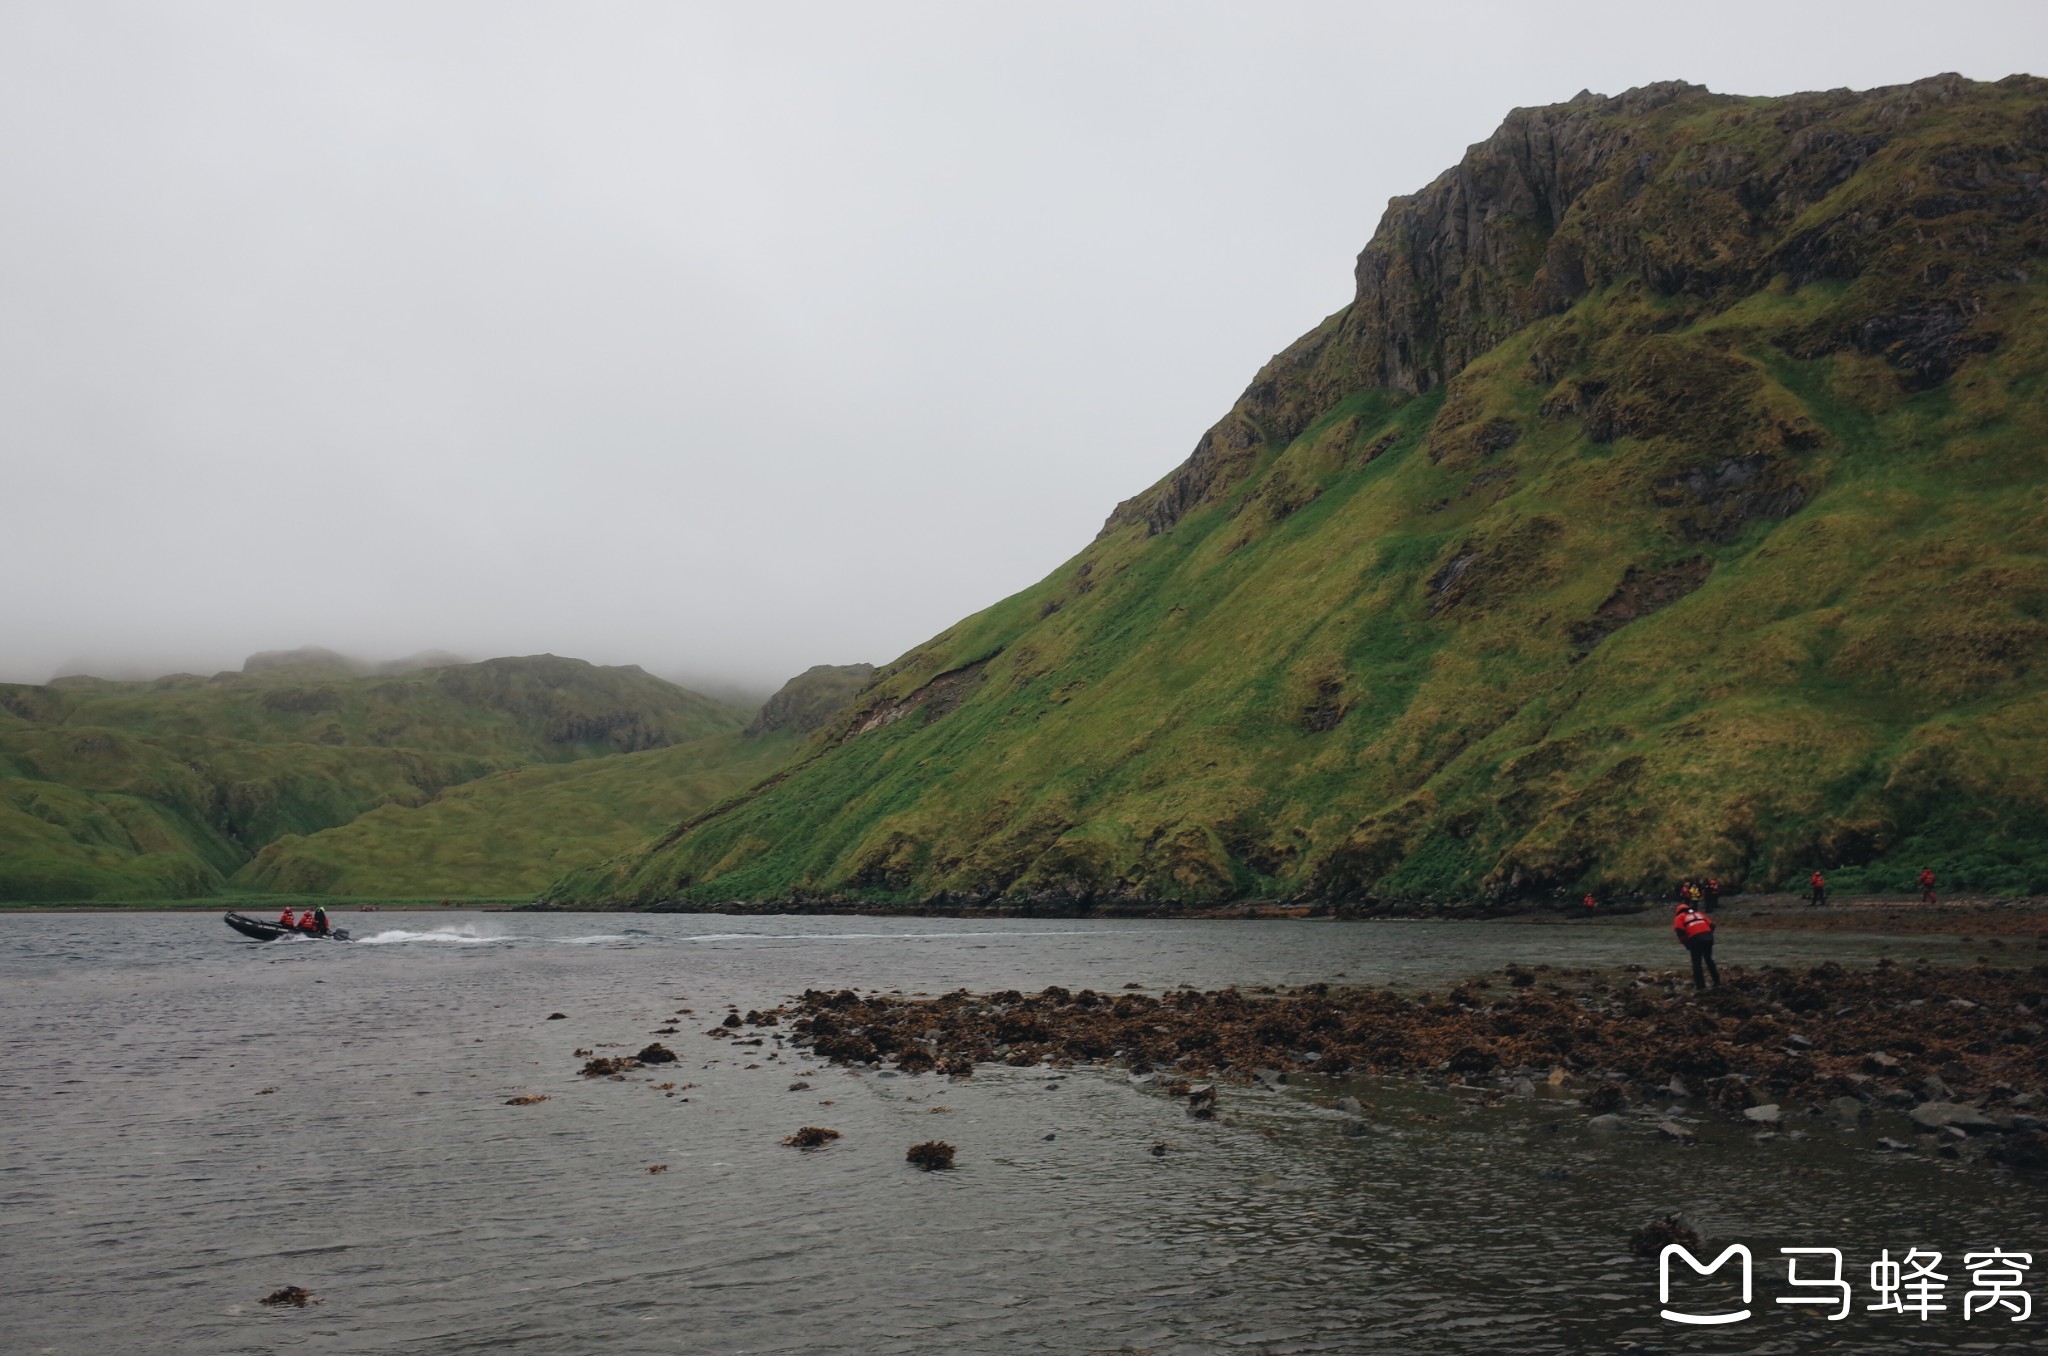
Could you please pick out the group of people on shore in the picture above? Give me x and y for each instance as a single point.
(1817, 887)
(313, 921)
(1694, 929)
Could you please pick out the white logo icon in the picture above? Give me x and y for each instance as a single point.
(1664, 1281)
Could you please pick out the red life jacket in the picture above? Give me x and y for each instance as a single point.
(285, 920)
(1817, 881)
(1692, 923)
(1926, 877)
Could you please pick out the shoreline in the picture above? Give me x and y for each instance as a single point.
(1967, 916)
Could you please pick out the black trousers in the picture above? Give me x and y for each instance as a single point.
(1702, 948)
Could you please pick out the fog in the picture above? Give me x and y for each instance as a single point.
(720, 339)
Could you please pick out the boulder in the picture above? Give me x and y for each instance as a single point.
(1939, 1115)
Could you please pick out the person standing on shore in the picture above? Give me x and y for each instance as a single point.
(1819, 884)
(1713, 898)
(1695, 932)
(1927, 885)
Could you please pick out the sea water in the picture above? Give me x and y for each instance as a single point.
(190, 1121)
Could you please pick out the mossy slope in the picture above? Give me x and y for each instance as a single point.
(1668, 499)
(536, 708)
(168, 789)
(513, 832)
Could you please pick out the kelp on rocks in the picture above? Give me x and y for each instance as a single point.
(1892, 1034)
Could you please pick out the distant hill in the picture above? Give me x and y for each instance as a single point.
(537, 708)
(313, 659)
(1668, 498)
(810, 699)
(169, 788)
(514, 831)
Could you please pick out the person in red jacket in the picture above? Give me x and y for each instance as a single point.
(1927, 885)
(1695, 932)
(285, 919)
(1819, 884)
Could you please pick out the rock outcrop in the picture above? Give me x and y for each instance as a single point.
(811, 699)
(1701, 199)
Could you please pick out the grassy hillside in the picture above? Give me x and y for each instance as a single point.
(168, 789)
(539, 708)
(1668, 499)
(513, 832)
(93, 813)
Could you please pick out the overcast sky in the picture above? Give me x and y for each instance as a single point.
(722, 339)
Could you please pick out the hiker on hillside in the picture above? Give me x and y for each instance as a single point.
(1695, 932)
(1819, 884)
(1927, 885)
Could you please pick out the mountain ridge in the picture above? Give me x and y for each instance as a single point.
(1665, 500)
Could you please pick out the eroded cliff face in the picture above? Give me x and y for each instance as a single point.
(810, 699)
(1699, 199)
(1668, 498)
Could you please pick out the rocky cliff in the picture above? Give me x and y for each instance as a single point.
(810, 699)
(1695, 198)
(1668, 497)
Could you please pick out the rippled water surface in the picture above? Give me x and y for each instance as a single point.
(189, 1121)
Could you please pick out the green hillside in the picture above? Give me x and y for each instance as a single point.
(168, 789)
(539, 708)
(92, 813)
(1668, 499)
(513, 832)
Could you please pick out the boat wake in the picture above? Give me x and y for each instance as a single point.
(469, 935)
(452, 936)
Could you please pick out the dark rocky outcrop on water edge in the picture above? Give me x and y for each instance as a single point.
(1962, 1052)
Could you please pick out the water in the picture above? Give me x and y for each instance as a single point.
(189, 1121)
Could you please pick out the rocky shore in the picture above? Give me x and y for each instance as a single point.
(1962, 1053)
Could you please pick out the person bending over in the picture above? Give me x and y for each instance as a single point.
(1695, 932)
